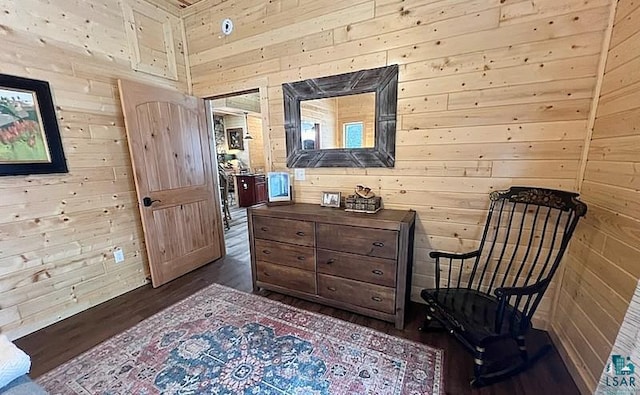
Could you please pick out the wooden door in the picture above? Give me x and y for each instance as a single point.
(177, 192)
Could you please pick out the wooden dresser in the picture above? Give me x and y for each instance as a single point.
(357, 262)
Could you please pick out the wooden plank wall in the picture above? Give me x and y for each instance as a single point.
(628, 345)
(57, 232)
(256, 144)
(252, 154)
(603, 265)
(492, 93)
(236, 122)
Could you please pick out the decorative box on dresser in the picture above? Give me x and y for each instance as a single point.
(357, 262)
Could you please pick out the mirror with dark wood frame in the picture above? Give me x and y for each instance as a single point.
(376, 135)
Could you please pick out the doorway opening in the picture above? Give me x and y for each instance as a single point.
(239, 147)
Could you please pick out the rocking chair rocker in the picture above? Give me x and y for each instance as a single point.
(524, 239)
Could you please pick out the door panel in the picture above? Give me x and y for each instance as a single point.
(183, 219)
(169, 147)
(165, 145)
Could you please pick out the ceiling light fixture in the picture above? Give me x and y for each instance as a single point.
(247, 135)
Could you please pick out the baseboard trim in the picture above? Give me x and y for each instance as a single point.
(567, 356)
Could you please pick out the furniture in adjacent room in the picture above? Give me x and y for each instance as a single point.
(490, 295)
(225, 183)
(353, 261)
(251, 189)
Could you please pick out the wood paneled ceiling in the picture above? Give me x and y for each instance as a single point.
(183, 3)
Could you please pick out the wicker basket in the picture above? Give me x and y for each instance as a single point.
(359, 204)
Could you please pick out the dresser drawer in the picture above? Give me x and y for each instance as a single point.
(284, 230)
(357, 293)
(357, 267)
(287, 277)
(364, 241)
(285, 254)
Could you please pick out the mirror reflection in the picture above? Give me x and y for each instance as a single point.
(339, 122)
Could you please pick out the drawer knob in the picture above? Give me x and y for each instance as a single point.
(376, 298)
(378, 244)
(377, 272)
(300, 233)
(301, 258)
(264, 229)
(332, 289)
(266, 252)
(267, 274)
(330, 261)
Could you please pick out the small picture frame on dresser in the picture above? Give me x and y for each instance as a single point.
(330, 199)
(279, 188)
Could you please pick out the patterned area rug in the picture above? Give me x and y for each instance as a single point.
(223, 341)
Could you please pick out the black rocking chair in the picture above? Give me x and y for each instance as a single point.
(492, 293)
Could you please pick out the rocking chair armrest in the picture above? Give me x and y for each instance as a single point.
(461, 257)
(504, 294)
(438, 254)
(532, 289)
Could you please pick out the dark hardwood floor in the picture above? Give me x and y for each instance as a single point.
(60, 342)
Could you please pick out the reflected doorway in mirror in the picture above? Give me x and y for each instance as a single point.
(310, 134)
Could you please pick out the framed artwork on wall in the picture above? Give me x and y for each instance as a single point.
(30, 140)
(234, 138)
